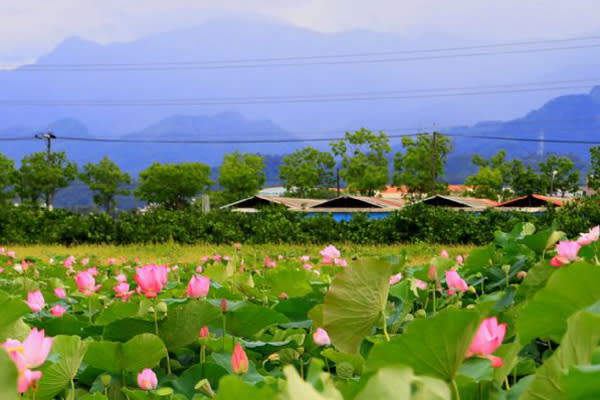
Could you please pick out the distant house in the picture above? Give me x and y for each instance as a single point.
(342, 208)
(533, 201)
(255, 203)
(458, 202)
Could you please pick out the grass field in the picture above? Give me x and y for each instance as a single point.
(170, 253)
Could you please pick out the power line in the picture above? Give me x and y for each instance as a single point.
(311, 57)
(272, 100)
(240, 64)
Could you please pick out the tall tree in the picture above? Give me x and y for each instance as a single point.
(173, 185)
(559, 173)
(491, 177)
(106, 180)
(7, 177)
(307, 170)
(241, 175)
(593, 176)
(364, 162)
(524, 179)
(422, 164)
(41, 176)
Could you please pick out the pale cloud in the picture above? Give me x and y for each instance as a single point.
(30, 28)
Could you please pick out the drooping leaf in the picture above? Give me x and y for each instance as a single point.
(8, 377)
(233, 388)
(582, 383)
(184, 321)
(399, 383)
(56, 376)
(355, 303)
(576, 348)
(568, 290)
(250, 319)
(297, 389)
(187, 381)
(433, 346)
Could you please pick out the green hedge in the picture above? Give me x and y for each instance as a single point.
(418, 223)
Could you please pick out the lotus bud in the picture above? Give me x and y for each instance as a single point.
(506, 268)
(421, 313)
(472, 290)
(105, 379)
(162, 307)
(521, 274)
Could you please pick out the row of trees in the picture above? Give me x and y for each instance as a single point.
(362, 161)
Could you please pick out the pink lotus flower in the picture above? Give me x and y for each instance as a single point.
(198, 287)
(199, 269)
(147, 379)
(85, 261)
(226, 258)
(239, 360)
(237, 246)
(269, 263)
(121, 277)
(329, 254)
(521, 274)
(204, 333)
(432, 273)
(321, 338)
(111, 261)
(151, 279)
(122, 291)
(305, 259)
(444, 254)
(35, 301)
(204, 259)
(566, 253)
(217, 257)
(460, 259)
(455, 282)
(307, 267)
(60, 293)
(590, 236)
(223, 305)
(488, 338)
(32, 353)
(340, 262)
(86, 283)
(1, 270)
(395, 278)
(69, 262)
(420, 284)
(57, 310)
(92, 271)
(11, 254)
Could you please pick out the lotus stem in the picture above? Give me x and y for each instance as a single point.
(385, 332)
(455, 392)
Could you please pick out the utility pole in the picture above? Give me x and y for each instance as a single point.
(48, 136)
(434, 161)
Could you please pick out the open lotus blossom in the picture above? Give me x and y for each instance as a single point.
(35, 301)
(85, 261)
(204, 333)
(321, 338)
(239, 360)
(57, 310)
(455, 282)
(329, 254)
(29, 354)
(147, 379)
(151, 279)
(86, 283)
(419, 284)
(198, 286)
(121, 277)
(566, 252)
(11, 254)
(307, 266)
(217, 257)
(204, 259)
(269, 263)
(444, 254)
(69, 261)
(60, 293)
(111, 261)
(590, 236)
(122, 291)
(395, 278)
(488, 338)
(460, 259)
(92, 271)
(305, 259)
(340, 262)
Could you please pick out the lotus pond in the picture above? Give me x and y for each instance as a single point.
(516, 319)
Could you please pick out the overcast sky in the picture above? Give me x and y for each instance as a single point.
(30, 28)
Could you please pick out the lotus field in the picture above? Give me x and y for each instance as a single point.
(516, 319)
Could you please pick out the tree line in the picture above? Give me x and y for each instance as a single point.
(361, 159)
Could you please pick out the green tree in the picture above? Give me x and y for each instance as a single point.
(364, 162)
(524, 179)
(559, 173)
(241, 175)
(422, 164)
(106, 180)
(593, 176)
(7, 178)
(173, 185)
(41, 176)
(491, 177)
(307, 171)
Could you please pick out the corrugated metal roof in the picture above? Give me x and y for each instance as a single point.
(557, 201)
(459, 201)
